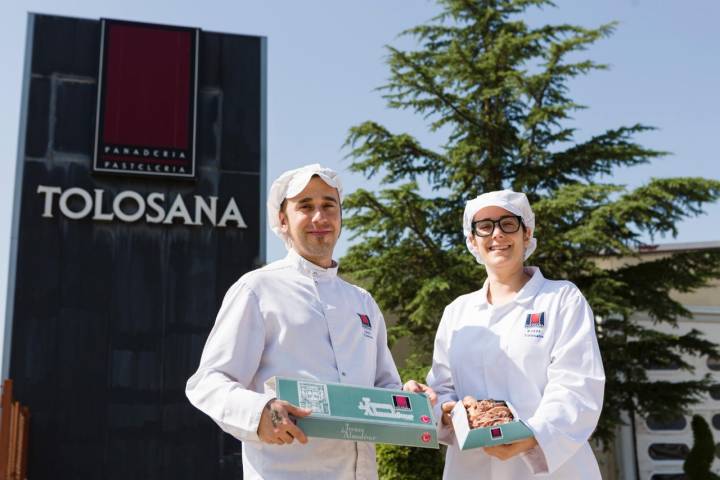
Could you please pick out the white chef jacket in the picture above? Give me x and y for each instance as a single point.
(295, 319)
(538, 351)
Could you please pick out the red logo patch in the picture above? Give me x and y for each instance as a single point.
(425, 419)
(426, 437)
(535, 320)
(365, 320)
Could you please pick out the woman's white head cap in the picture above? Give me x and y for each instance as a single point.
(289, 185)
(514, 202)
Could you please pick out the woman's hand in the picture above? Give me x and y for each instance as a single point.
(505, 452)
(446, 408)
(416, 387)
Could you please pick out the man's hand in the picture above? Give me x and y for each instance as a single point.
(416, 387)
(505, 452)
(446, 408)
(277, 427)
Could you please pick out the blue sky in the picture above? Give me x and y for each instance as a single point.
(325, 59)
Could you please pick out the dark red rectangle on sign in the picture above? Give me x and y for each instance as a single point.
(147, 100)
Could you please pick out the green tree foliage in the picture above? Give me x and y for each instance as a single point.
(404, 463)
(497, 90)
(699, 460)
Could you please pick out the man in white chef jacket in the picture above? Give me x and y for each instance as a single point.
(295, 318)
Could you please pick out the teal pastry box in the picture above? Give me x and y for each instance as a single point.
(360, 414)
(468, 438)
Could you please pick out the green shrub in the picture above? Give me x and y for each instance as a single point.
(409, 463)
(699, 460)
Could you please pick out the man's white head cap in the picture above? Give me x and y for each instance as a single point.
(290, 184)
(514, 202)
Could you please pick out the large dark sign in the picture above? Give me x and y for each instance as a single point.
(146, 100)
(115, 280)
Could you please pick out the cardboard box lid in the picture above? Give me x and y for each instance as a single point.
(353, 402)
(351, 412)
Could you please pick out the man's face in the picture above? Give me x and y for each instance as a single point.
(312, 219)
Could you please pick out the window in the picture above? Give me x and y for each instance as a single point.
(668, 451)
(713, 363)
(716, 421)
(715, 392)
(677, 423)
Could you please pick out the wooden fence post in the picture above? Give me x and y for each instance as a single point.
(6, 405)
(14, 436)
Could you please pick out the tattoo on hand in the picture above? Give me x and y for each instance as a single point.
(275, 418)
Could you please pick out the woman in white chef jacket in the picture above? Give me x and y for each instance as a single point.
(521, 338)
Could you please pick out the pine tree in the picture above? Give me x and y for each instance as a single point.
(499, 89)
(699, 460)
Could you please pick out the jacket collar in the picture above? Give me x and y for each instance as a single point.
(308, 268)
(525, 295)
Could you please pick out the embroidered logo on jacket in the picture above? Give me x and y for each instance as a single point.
(366, 325)
(535, 325)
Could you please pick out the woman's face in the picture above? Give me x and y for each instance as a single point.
(500, 250)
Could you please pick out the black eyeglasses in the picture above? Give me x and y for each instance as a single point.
(485, 228)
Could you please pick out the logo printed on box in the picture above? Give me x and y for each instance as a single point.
(425, 419)
(426, 437)
(356, 433)
(377, 409)
(401, 402)
(314, 396)
(496, 433)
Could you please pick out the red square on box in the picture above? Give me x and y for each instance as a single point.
(402, 402)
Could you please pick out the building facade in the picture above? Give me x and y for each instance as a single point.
(650, 449)
(138, 202)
